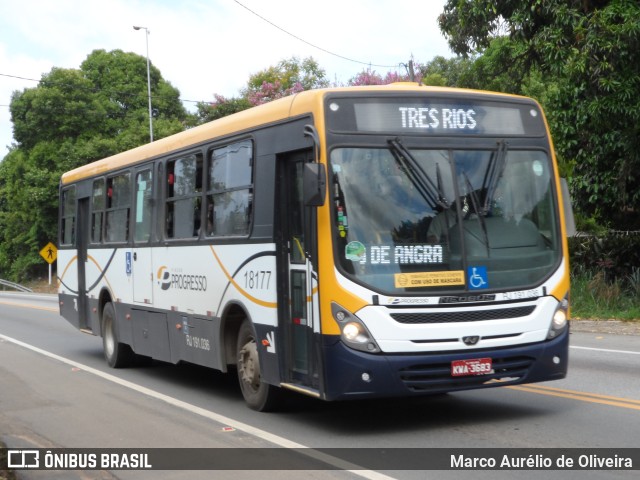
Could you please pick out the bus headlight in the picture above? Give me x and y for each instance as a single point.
(352, 331)
(559, 321)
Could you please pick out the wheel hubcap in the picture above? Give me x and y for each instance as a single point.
(109, 341)
(248, 365)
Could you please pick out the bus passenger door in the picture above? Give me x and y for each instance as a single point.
(83, 306)
(297, 294)
(141, 261)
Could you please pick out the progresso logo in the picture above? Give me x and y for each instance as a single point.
(164, 278)
(179, 280)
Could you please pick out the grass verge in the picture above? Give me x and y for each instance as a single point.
(593, 297)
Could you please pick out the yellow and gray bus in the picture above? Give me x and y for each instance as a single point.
(342, 243)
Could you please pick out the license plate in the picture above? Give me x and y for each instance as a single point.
(474, 366)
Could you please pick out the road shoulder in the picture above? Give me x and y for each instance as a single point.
(617, 327)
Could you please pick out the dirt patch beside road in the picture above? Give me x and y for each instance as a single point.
(606, 326)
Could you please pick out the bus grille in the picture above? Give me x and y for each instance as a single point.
(465, 316)
(422, 378)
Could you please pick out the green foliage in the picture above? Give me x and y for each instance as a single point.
(614, 256)
(71, 118)
(287, 77)
(220, 108)
(605, 276)
(601, 93)
(500, 68)
(446, 72)
(63, 106)
(588, 52)
(288, 73)
(594, 298)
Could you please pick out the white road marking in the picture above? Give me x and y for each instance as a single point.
(216, 417)
(629, 352)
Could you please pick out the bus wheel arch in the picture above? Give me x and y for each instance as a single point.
(232, 319)
(103, 299)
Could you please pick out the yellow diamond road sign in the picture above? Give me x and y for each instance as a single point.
(49, 253)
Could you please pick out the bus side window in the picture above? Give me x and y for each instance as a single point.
(118, 207)
(97, 210)
(184, 197)
(68, 227)
(230, 192)
(144, 196)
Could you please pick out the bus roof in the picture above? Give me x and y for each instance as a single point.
(309, 101)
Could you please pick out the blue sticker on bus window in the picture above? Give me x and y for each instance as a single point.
(477, 278)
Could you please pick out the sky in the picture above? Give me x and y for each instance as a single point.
(207, 47)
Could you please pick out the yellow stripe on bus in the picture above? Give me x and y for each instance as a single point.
(89, 257)
(73, 259)
(246, 294)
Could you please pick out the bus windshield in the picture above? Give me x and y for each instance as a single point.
(428, 221)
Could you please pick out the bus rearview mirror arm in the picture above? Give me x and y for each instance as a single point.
(314, 183)
(311, 132)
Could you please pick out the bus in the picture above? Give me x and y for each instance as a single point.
(342, 243)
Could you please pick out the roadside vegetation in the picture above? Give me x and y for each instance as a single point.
(593, 298)
(605, 276)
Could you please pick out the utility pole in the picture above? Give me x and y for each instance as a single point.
(148, 82)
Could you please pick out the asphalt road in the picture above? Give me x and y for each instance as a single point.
(57, 392)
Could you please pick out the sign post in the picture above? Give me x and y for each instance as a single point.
(50, 254)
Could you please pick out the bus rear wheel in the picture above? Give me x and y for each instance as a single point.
(117, 355)
(257, 394)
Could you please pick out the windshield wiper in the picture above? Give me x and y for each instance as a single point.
(494, 172)
(431, 192)
(475, 204)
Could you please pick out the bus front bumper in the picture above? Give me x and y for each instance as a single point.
(350, 374)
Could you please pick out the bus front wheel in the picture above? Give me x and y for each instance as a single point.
(257, 394)
(118, 355)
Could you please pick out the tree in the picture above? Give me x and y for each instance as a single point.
(120, 82)
(440, 71)
(289, 76)
(286, 78)
(449, 72)
(71, 118)
(220, 107)
(590, 49)
(62, 106)
(371, 77)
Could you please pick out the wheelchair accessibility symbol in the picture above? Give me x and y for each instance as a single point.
(477, 278)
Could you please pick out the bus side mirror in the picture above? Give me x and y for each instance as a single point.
(314, 184)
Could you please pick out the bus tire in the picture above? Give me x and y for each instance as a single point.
(257, 394)
(117, 355)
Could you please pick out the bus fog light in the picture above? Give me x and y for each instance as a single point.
(556, 360)
(366, 377)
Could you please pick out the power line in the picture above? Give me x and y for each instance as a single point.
(19, 78)
(311, 44)
(51, 83)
